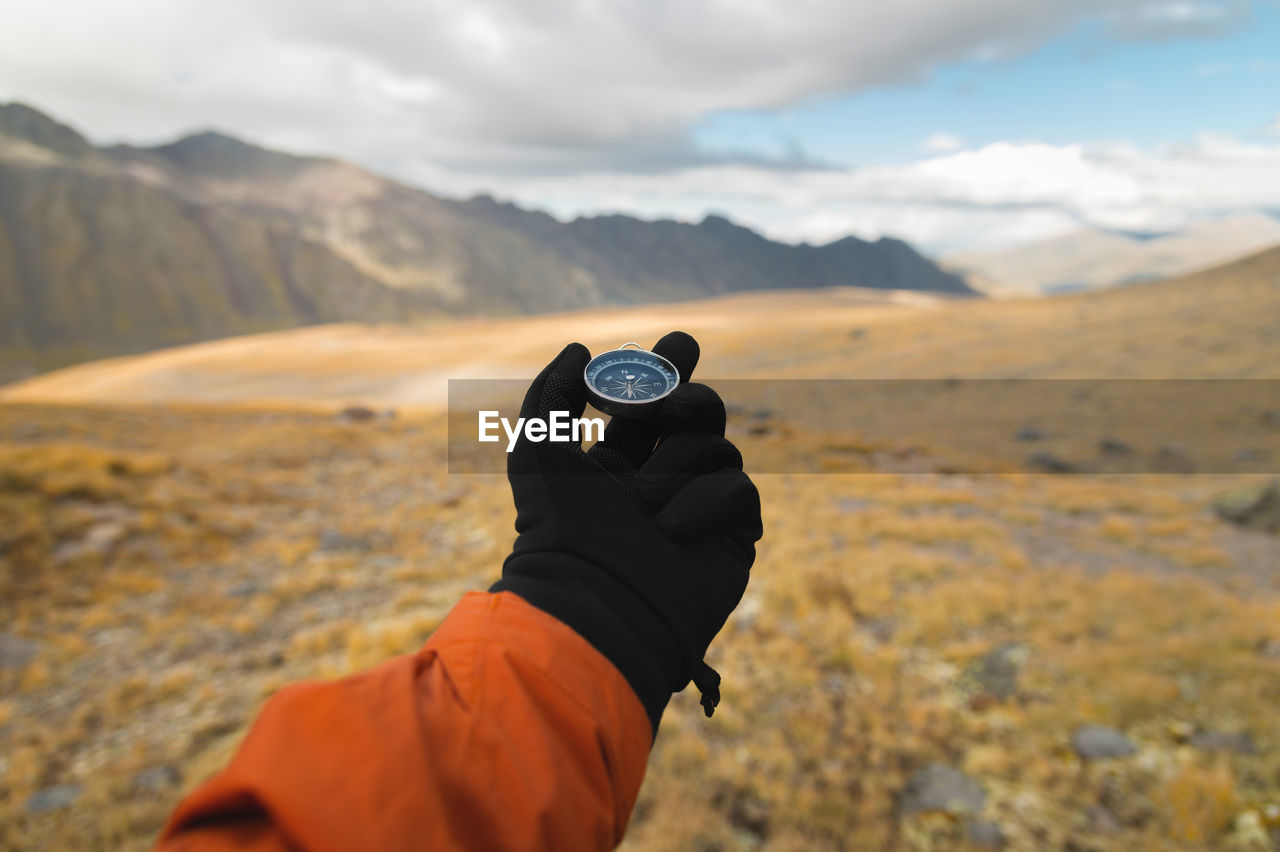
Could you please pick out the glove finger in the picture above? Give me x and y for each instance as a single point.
(693, 407)
(628, 441)
(725, 501)
(681, 350)
(560, 388)
(679, 459)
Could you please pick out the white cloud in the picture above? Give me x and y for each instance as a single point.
(1173, 18)
(1214, 69)
(516, 85)
(1274, 128)
(996, 195)
(942, 143)
(583, 107)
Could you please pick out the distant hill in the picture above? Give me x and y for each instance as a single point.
(1089, 259)
(117, 250)
(1215, 324)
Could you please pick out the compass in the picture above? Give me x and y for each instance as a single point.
(629, 381)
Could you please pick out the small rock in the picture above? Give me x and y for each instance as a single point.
(1101, 821)
(103, 536)
(880, 627)
(247, 589)
(845, 505)
(1047, 462)
(97, 541)
(1251, 455)
(750, 815)
(1112, 447)
(336, 542)
(941, 788)
(16, 652)
(1172, 458)
(1240, 743)
(986, 835)
(1030, 433)
(1097, 742)
(1271, 418)
(157, 779)
(1257, 507)
(357, 414)
(449, 497)
(53, 798)
(1269, 648)
(857, 333)
(1250, 832)
(996, 673)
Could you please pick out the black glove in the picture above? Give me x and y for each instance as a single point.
(643, 546)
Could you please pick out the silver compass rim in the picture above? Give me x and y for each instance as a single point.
(638, 349)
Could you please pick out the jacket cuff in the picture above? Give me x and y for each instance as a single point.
(604, 612)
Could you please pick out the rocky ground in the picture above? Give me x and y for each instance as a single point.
(922, 660)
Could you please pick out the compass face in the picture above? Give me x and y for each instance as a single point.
(624, 378)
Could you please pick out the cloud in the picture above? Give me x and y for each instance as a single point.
(992, 196)
(1179, 18)
(518, 86)
(584, 106)
(1273, 129)
(1214, 69)
(942, 143)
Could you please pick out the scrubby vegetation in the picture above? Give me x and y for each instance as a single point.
(166, 569)
(925, 658)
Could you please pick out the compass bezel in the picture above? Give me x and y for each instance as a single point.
(626, 407)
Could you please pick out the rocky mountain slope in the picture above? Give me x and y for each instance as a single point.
(117, 250)
(1094, 258)
(1220, 323)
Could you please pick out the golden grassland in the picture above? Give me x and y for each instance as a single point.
(1221, 323)
(166, 567)
(175, 566)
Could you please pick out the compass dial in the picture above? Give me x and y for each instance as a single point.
(627, 381)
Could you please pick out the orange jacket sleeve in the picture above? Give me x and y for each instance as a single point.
(506, 731)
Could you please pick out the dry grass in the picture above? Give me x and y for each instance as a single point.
(246, 550)
(173, 565)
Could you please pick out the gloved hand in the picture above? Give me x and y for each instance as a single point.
(643, 546)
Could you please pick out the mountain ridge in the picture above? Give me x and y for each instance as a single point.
(119, 249)
(1094, 258)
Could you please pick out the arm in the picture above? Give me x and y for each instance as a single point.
(506, 731)
(525, 722)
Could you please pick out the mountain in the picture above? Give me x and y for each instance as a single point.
(117, 250)
(1092, 258)
(21, 122)
(1220, 323)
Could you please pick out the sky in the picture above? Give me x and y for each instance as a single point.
(955, 124)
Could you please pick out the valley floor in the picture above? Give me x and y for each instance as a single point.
(182, 533)
(167, 568)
